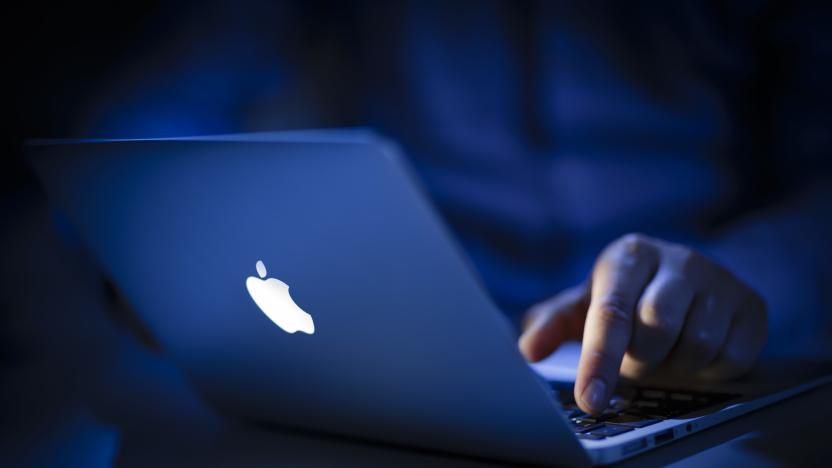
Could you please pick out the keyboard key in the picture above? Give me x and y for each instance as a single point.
(647, 404)
(681, 396)
(654, 413)
(653, 394)
(605, 415)
(582, 425)
(609, 430)
(634, 404)
(589, 436)
(632, 420)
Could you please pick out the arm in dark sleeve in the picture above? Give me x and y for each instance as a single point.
(785, 249)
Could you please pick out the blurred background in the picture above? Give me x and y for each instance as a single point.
(541, 130)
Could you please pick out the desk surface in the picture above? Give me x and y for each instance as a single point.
(141, 425)
(77, 390)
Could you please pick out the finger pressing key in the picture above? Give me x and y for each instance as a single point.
(619, 277)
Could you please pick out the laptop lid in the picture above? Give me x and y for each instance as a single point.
(406, 347)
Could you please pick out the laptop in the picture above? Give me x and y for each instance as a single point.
(302, 279)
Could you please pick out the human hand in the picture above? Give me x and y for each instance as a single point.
(650, 306)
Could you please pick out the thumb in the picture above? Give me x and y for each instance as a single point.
(550, 323)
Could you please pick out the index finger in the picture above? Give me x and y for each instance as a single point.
(619, 277)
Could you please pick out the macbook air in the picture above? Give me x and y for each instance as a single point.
(303, 279)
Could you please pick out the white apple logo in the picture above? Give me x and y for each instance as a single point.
(272, 296)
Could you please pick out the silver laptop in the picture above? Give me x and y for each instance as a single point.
(302, 279)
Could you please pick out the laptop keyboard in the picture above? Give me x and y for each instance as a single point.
(634, 408)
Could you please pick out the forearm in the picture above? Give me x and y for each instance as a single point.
(784, 253)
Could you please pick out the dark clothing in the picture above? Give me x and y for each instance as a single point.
(543, 130)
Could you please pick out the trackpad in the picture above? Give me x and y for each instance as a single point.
(562, 365)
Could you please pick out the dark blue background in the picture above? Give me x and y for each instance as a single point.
(542, 130)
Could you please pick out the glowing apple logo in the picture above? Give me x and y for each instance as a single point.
(272, 296)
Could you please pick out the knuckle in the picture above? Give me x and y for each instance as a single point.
(652, 316)
(649, 312)
(662, 311)
(688, 258)
(688, 261)
(679, 287)
(613, 310)
(632, 243)
(694, 257)
(629, 251)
